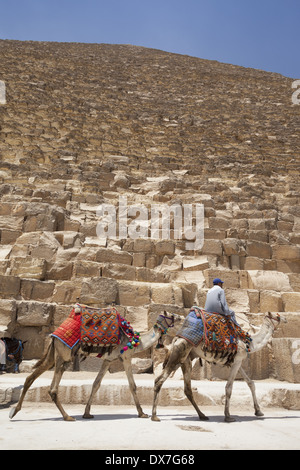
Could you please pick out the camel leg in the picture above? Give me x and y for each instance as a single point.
(46, 363)
(251, 385)
(132, 386)
(95, 387)
(187, 372)
(159, 381)
(178, 353)
(53, 392)
(228, 389)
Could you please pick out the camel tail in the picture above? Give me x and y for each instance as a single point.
(48, 357)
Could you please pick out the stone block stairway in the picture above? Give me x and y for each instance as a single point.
(84, 124)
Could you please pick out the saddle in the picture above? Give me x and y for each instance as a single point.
(218, 333)
(97, 330)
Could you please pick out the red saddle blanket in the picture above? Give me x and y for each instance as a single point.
(69, 331)
(91, 326)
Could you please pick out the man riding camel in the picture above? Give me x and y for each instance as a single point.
(216, 301)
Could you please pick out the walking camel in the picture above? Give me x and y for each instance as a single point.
(182, 352)
(58, 355)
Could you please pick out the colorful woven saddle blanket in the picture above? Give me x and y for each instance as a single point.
(219, 334)
(91, 327)
(100, 326)
(69, 331)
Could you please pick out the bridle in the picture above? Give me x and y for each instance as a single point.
(274, 319)
(164, 322)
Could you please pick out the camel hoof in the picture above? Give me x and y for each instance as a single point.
(69, 418)
(13, 412)
(88, 416)
(259, 413)
(143, 415)
(155, 418)
(229, 419)
(203, 418)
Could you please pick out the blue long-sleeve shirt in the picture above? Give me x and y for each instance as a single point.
(216, 302)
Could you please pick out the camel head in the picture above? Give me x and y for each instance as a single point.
(275, 319)
(164, 322)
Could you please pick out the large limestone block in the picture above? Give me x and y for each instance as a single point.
(194, 263)
(105, 255)
(36, 340)
(233, 246)
(43, 216)
(141, 245)
(66, 292)
(119, 271)
(286, 252)
(230, 278)
(212, 247)
(238, 300)
(59, 270)
(291, 301)
(162, 294)
(270, 301)
(269, 280)
(83, 268)
(286, 359)
(31, 313)
(99, 291)
(9, 285)
(165, 247)
(28, 267)
(149, 275)
(253, 264)
(138, 317)
(37, 290)
(11, 223)
(134, 294)
(258, 249)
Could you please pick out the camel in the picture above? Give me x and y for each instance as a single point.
(181, 353)
(58, 355)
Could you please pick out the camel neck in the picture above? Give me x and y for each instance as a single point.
(263, 336)
(148, 339)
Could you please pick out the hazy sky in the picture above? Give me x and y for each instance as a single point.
(262, 34)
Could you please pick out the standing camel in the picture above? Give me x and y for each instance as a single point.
(182, 352)
(58, 355)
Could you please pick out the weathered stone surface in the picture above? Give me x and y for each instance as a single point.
(9, 285)
(99, 291)
(134, 294)
(269, 280)
(61, 158)
(37, 290)
(34, 313)
(8, 311)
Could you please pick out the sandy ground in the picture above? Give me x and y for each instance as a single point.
(40, 427)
